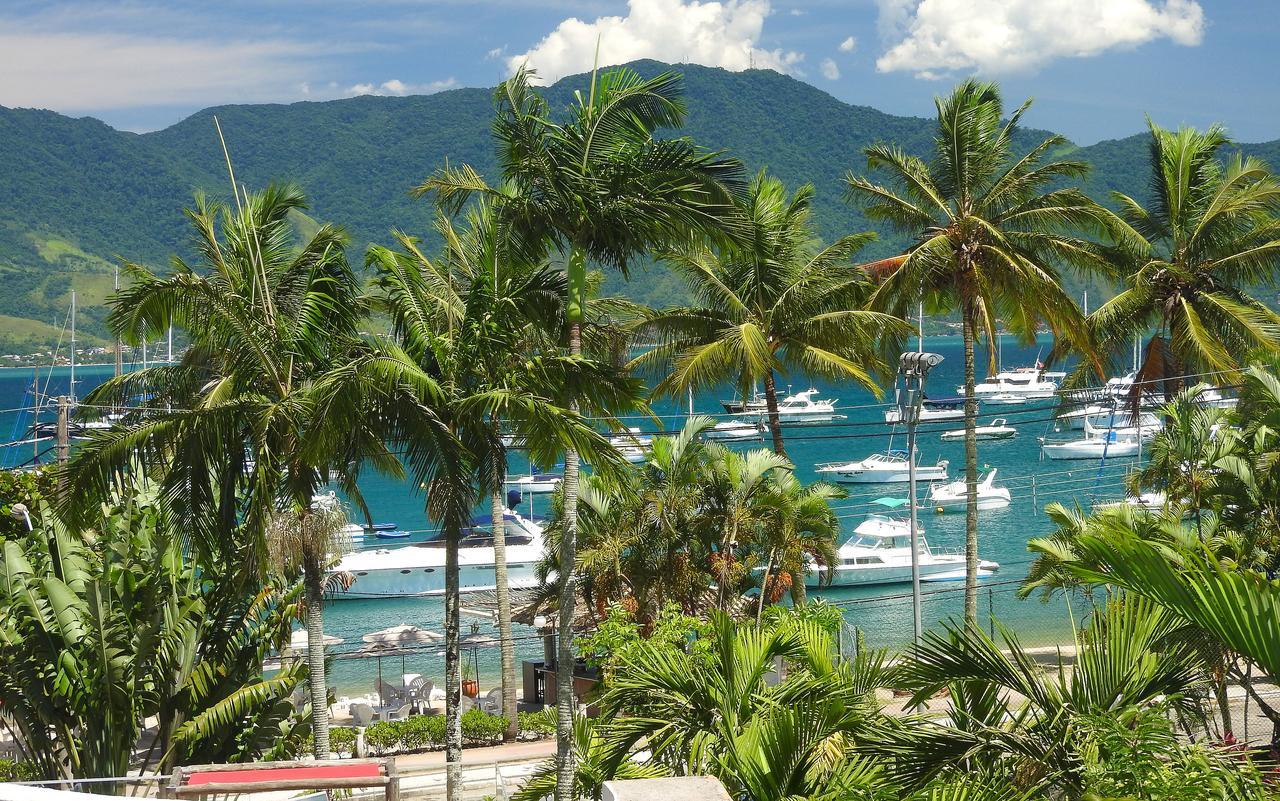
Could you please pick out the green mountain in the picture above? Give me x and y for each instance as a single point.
(77, 195)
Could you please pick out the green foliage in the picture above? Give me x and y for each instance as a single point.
(427, 732)
(342, 739)
(107, 625)
(615, 638)
(537, 725)
(17, 771)
(481, 728)
(31, 488)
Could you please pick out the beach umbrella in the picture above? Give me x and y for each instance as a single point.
(298, 643)
(402, 635)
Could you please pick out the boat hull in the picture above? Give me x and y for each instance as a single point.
(410, 577)
(1074, 450)
(930, 473)
(935, 568)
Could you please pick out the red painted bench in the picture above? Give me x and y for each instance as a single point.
(265, 777)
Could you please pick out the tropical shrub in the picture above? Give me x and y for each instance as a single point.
(30, 488)
(421, 731)
(616, 637)
(384, 736)
(481, 728)
(537, 725)
(141, 630)
(12, 770)
(342, 739)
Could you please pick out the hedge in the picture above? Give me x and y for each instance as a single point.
(426, 732)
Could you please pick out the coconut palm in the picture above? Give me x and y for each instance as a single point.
(772, 303)
(988, 235)
(479, 280)
(276, 396)
(601, 187)
(465, 320)
(1187, 260)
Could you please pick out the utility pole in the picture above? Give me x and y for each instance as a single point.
(73, 345)
(119, 357)
(914, 368)
(64, 428)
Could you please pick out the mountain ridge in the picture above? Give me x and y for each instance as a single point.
(77, 194)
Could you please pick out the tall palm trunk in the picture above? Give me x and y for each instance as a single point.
(970, 474)
(798, 593)
(775, 422)
(508, 648)
(313, 587)
(764, 587)
(576, 274)
(452, 665)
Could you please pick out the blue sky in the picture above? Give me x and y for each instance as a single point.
(1095, 67)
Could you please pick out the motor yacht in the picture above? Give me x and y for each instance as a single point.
(953, 496)
(535, 484)
(882, 468)
(996, 429)
(1031, 382)
(1098, 443)
(735, 429)
(803, 408)
(932, 410)
(418, 570)
(879, 552)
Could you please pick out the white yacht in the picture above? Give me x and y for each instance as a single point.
(418, 570)
(735, 429)
(632, 437)
(996, 429)
(1005, 399)
(882, 468)
(633, 453)
(1098, 443)
(1029, 382)
(536, 483)
(879, 552)
(803, 408)
(954, 497)
(932, 410)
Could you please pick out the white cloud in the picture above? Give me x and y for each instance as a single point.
(797, 12)
(90, 71)
(718, 34)
(398, 88)
(937, 37)
(829, 70)
(496, 52)
(848, 45)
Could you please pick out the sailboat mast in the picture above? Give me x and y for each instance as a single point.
(920, 328)
(73, 346)
(169, 355)
(691, 401)
(1086, 303)
(115, 286)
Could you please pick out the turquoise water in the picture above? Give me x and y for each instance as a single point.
(883, 613)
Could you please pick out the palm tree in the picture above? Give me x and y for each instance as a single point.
(1187, 260)
(601, 187)
(770, 303)
(479, 278)
(988, 233)
(275, 397)
(799, 525)
(1008, 719)
(465, 321)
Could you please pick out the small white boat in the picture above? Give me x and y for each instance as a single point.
(734, 429)
(932, 410)
(880, 553)
(954, 496)
(1147, 501)
(882, 468)
(1005, 399)
(535, 484)
(996, 429)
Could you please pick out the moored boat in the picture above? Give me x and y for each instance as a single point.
(882, 468)
(996, 429)
(953, 496)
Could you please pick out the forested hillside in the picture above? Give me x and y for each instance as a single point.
(77, 195)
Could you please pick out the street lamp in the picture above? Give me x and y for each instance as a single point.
(19, 512)
(914, 368)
